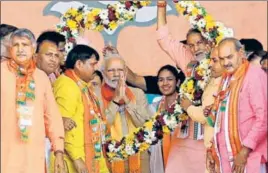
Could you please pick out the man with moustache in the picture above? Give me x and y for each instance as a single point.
(198, 113)
(47, 59)
(185, 56)
(240, 112)
(197, 47)
(126, 108)
(29, 113)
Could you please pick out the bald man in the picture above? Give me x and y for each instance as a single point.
(240, 112)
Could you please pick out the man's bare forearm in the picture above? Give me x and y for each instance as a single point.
(161, 14)
(136, 80)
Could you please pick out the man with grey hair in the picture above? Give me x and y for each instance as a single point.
(240, 112)
(126, 108)
(28, 113)
(5, 32)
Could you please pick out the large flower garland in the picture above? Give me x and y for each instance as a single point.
(193, 87)
(164, 122)
(201, 20)
(77, 19)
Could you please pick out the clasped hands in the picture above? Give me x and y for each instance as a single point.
(120, 90)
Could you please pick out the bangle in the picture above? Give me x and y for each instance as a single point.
(161, 4)
(58, 151)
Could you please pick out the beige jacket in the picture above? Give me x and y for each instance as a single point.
(139, 112)
(196, 112)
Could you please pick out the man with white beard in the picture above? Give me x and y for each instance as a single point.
(126, 108)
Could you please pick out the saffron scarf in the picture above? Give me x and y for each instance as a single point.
(25, 95)
(94, 122)
(226, 104)
(117, 132)
(167, 137)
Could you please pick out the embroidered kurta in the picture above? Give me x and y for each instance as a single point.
(28, 157)
(186, 155)
(252, 113)
(69, 99)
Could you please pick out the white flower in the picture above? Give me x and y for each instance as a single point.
(104, 14)
(197, 3)
(137, 144)
(61, 24)
(183, 4)
(132, 10)
(201, 83)
(75, 33)
(106, 21)
(68, 46)
(86, 9)
(120, 8)
(129, 150)
(192, 20)
(65, 33)
(206, 35)
(190, 8)
(229, 32)
(178, 109)
(170, 121)
(150, 137)
(201, 23)
(111, 148)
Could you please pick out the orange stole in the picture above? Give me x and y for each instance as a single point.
(234, 89)
(133, 161)
(166, 145)
(90, 103)
(233, 107)
(166, 148)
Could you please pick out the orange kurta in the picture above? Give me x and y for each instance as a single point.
(28, 157)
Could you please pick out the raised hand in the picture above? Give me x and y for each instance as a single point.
(109, 49)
